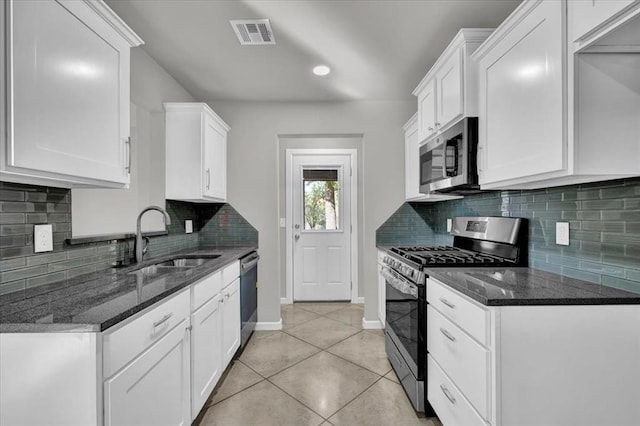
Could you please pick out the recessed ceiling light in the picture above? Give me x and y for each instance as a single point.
(321, 70)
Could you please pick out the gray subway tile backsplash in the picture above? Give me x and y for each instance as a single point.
(604, 223)
(22, 206)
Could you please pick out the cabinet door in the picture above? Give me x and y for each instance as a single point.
(449, 91)
(521, 99)
(411, 163)
(154, 388)
(206, 352)
(427, 111)
(230, 321)
(70, 100)
(586, 15)
(215, 160)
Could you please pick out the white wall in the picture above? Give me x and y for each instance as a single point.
(253, 175)
(113, 211)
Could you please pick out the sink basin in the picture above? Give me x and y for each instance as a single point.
(157, 270)
(188, 262)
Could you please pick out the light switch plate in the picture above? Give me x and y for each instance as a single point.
(562, 233)
(42, 238)
(283, 222)
(188, 226)
(449, 225)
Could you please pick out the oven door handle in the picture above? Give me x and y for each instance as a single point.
(399, 282)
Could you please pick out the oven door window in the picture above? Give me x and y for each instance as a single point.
(402, 314)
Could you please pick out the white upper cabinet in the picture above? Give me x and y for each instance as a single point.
(549, 117)
(66, 74)
(449, 90)
(605, 24)
(412, 166)
(196, 149)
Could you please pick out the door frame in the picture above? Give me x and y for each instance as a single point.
(310, 152)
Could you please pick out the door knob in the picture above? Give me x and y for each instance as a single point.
(297, 226)
(297, 237)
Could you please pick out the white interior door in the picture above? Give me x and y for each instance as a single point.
(321, 217)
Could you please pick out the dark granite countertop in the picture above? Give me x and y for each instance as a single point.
(97, 301)
(528, 286)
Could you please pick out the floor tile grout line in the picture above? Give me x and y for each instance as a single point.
(303, 322)
(234, 394)
(325, 418)
(321, 348)
(355, 397)
(250, 368)
(358, 365)
(296, 399)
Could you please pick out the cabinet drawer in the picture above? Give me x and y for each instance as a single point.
(470, 317)
(230, 273)
(450, 405)
(122, 345)
(465, 361)
(205, 289)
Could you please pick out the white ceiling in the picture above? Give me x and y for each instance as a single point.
(377, 50)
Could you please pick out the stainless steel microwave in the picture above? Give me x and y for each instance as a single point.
(448, 162)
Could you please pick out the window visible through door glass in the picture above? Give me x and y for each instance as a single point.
(321, 207)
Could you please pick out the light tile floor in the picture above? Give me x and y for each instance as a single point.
(322, 368)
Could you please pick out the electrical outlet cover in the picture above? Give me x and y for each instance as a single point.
(188, 226)
(42, 238)
(562, 233)
(449, 225)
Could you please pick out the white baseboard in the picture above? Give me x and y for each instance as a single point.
(266, 326)
(371, 325)
(358, 300)
(285, 301)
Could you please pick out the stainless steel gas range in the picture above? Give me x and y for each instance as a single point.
(477, 241)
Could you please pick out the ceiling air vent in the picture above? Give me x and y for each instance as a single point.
(253, 31)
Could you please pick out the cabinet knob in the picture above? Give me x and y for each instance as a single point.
(437, 124)
(189, 327)
(430, 129)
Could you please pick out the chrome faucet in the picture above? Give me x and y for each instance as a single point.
(140, 250)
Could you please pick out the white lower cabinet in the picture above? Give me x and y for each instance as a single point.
(531, 365)
(206, 353)
(448, 402)
(154, 387)
(466, 361)
(156, 368)
(230, 321)
(215, 334)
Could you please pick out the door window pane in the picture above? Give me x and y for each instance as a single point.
(321, 199)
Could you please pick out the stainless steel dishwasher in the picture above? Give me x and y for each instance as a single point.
(248, 295)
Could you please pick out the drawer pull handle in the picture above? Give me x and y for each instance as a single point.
(162, 321)
(446, 393)
(447, 303)
(447, 334)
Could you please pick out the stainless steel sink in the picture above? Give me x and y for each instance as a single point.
(158, 270)
(188, 262)
(173, 265)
